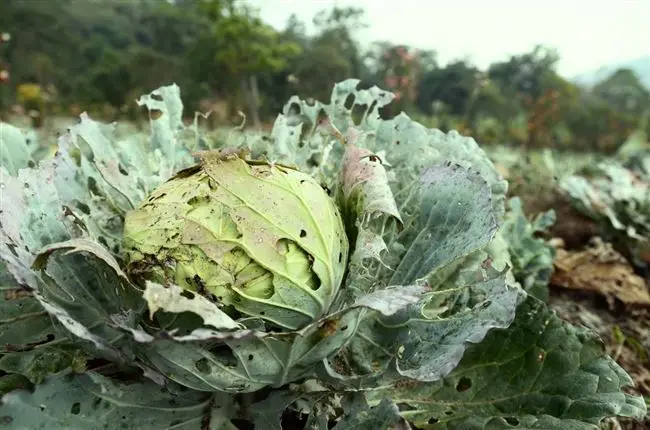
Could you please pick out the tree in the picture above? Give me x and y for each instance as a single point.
(236, 48)
(331, 55)
(624, 90)
(339, 28)
(398, 69)
(530, 80)
(452, 85)
(523, 75)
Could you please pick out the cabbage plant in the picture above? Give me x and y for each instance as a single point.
(616, 193)
(618, 198)
(345, 271)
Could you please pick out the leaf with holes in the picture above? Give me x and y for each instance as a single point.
(30, 344)
(541, 372)
(91, 401)
(428, 339)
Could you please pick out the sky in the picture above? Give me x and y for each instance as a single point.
(587, 34)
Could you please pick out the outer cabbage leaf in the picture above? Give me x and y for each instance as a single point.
(384, 415)
(101, 176)
(91, 401)
(210, 353)
(14, 152)
(76, 194)
(368, 206)
(326, 410)
(541, 372)
(248, 360)
(268, 413)
(532, 257)
(449, 218)
(83, 191)
(405, 145)
(30, 344)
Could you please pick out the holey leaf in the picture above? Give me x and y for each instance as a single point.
(383, 415)
(449, 221)
(406, 145)
(249, 359)
(422, 345)
(94, 402)
(451, 218)
(189, 339)
(540, 373)
(368, 206)
(30, 218)
(94, 178)
(174, 299)
(30, 344)
(84, 289)
(364, 183)
(82, 192)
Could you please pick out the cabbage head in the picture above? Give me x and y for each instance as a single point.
(262, 240)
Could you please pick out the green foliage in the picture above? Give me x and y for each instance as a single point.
(331, 55)
(525, 74)
(430, 326)
(239, 43)
(618, 198)
(452, 85)
(625, 92)
(531, 256)
(540, 373)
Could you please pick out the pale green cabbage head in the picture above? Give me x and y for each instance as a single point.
(262, 240)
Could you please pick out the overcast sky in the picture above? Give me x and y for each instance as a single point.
(587, 33)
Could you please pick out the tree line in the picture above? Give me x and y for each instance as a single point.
(99, 55)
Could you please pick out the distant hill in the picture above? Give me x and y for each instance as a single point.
(641, 67)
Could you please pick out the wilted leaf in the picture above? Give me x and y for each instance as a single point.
(600, 269)
(619, 199)
(366, 198)
(173, 299)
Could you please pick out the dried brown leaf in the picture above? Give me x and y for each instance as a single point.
(602, 270)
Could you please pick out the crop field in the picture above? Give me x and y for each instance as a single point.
(211, 223)
(455, 286)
